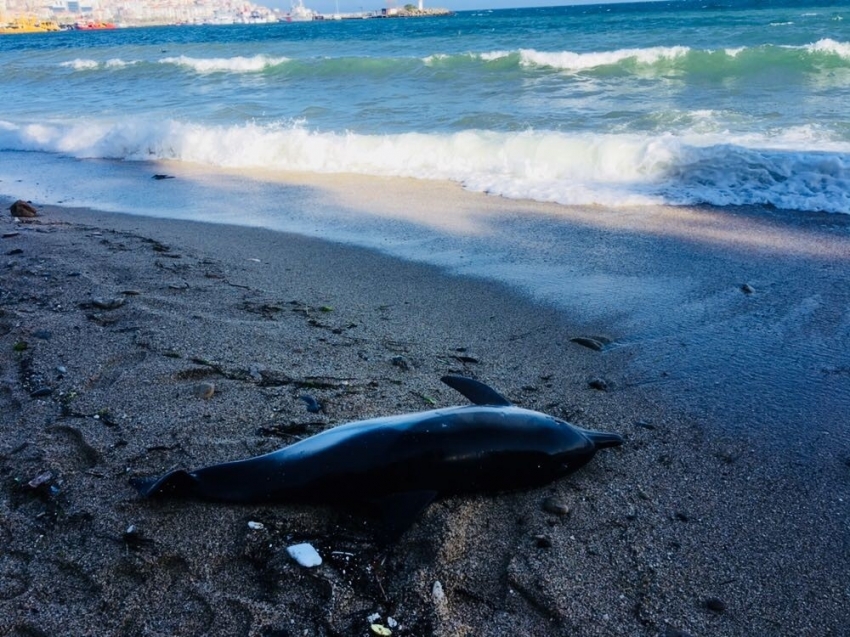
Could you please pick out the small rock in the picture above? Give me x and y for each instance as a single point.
(542, 541)
(15, 252)
(590, 343)
(160, 177)
(715, 604)
(313, 405)
(682, 517)
(401, 362)
(391, 622)
(256, 526)
(438, 595)
(40, 480)
(305, 555)
(598, 383)
(204, 390)
(23, 208)
(107, 304)
(9, 235)
(61, 369)
(555, 506)
(746, 288)
(41, 392)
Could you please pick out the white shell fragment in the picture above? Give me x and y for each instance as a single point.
(256, 526)
(305, 555)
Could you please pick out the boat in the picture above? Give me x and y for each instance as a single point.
(299, 13)
(91, 25)
(27, 24)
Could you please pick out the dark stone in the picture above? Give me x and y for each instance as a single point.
(598, 383)
(542, 541)
(715, 604)
(23, 209)
(41, 392)
(555, 506)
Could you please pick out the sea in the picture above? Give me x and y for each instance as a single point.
(550, 118)
(726, 103)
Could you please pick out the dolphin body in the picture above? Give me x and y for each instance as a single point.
(402, 462)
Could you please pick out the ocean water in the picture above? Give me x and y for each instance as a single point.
(724, 103)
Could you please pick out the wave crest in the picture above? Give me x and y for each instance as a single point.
(237, 64)
(607, 169)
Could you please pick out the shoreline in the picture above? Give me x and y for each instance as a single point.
(690, 527)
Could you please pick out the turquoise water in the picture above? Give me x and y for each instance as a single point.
(666, 102)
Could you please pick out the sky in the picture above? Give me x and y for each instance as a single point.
(328, 6)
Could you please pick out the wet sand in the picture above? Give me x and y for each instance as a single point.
(717, 517)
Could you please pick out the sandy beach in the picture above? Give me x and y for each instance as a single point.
(132, 345)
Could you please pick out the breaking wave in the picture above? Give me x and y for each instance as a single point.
(799, 169)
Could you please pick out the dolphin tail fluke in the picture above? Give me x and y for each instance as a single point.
(603, 440)
(176, 483)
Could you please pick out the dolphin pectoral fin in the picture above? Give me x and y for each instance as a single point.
(603, 440)
(476, 391)
(175, 483)
(398, 511)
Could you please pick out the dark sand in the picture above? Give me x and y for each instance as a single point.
(726, 513)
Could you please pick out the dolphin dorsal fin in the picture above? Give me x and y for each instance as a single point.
(476, 391)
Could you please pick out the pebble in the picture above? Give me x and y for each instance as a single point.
(590, 343)
(9, 235)
(555, 506)
(542, 541)
(256, 526)
(598, 383)
(107, 304)
(746, 288)
(41, 392)
(61, 369)
(23, 208)
(40, 479)
(313, 405)
(305, 555)
(438, 594)
(715, 604)
(401, 362)
(204, 390)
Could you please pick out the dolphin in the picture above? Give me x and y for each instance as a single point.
(402, 462)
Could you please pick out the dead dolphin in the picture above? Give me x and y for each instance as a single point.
(402, 462)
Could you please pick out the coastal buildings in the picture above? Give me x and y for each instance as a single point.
(140, 12)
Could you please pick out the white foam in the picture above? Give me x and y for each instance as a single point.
(802, 167)
(827, 45)
(237, 64)
(570, 61)
(81, 64)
